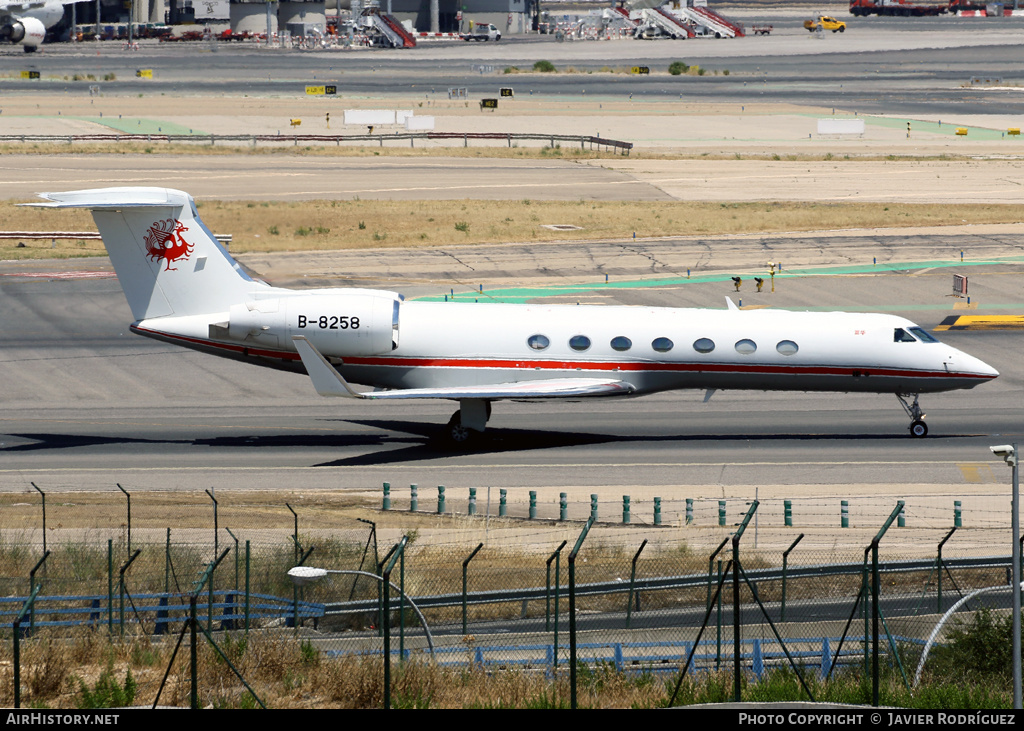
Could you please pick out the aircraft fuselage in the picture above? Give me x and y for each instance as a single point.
(652, 348)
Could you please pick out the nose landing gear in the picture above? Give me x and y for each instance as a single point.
(918, 428)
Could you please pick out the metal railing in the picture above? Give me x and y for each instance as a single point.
(508, 137)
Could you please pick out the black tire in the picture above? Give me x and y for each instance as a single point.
(459, 435)
(918, 429)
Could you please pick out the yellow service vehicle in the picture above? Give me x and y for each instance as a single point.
(825, 22)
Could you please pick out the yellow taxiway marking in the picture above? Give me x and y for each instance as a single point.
(982, 322)
(977, 472)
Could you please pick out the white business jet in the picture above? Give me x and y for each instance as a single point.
(184, 288)
(26, 22)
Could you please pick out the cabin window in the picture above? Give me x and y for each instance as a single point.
(923, 335)
(787, 347)
(538, 342)
(704, 345)
(662, 345)
(579, 342)
(900, 335)
(621, 343)
(746, 346)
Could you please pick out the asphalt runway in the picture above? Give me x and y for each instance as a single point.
(87, 404)
(880, 65)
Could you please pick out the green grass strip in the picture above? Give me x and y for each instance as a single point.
(522, 295)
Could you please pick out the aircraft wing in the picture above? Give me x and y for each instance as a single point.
(328, 382)
(552, 388)
(24, 7)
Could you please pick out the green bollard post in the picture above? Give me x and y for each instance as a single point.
(901, 521)
(503, 503)
(957, 521)
(533, 504)
(721, 512)
(657, 511)
(788, 508)
(414, 498)
(689, 510)
(387, 496)
(563, 506)
(625, 508)
(844, 514)
(440, 499)
(472, 501)
(593, 507)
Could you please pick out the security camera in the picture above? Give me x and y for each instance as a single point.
(1007, 452)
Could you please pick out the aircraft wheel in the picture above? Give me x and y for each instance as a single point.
(456, 433)
(459, 434)
(918, 429)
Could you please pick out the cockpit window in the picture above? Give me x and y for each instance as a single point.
(923, 335)
(902, 336)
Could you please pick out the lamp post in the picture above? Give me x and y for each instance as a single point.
(1009, 454)
(303, 575)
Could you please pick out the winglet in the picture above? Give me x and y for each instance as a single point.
(326, 380)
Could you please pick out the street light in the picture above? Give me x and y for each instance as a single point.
(303, 575)
(1009, 454)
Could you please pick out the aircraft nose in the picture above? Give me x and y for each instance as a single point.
(974, 366)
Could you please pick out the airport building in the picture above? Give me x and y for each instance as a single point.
(452, 16)
(510, 17)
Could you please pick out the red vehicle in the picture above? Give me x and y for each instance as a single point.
(898, 7)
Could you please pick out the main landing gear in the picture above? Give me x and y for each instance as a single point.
(917, 426)
(468, 423)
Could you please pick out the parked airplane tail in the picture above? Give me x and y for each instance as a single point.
(167, 261)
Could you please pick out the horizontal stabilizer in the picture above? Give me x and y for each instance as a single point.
(328, 382)
(114, 198)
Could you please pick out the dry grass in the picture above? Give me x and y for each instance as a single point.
(530, 150)
(398, 148)
(359, 224)
(285, 674)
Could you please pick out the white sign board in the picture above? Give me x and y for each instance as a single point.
(211, 9)
(401, 115)
(369, 116)
(840, 126)
(419, 124)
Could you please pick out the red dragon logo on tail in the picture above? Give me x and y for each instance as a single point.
(164, 241)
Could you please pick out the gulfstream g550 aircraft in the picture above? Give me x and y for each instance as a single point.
(184, 288)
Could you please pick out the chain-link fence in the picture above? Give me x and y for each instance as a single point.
(481, 589)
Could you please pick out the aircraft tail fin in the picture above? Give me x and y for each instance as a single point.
(167, 261)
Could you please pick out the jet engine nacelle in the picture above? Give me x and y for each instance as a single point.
(29, 32)
(338, 325)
